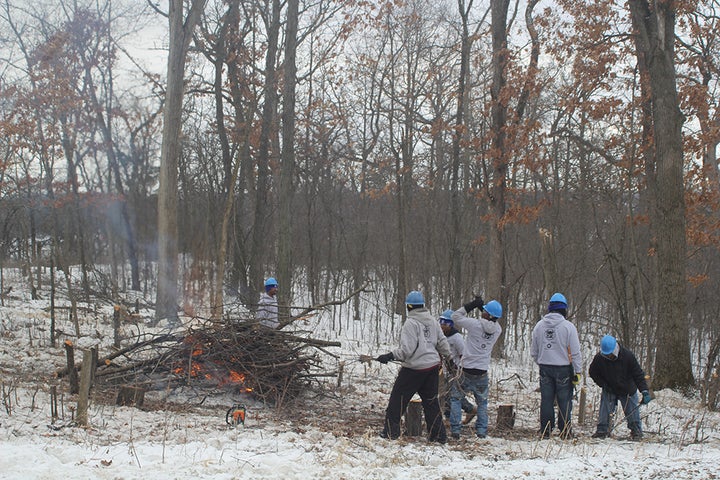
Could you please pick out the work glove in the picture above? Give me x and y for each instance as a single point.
(477, 303)
(385, 358)
(646, 397)
(576, 379)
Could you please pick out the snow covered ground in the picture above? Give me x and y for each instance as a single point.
(183, 434)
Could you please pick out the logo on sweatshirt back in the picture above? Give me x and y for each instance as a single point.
(549, 336)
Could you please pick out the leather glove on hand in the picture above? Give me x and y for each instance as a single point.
(477, 303)
(385, 358)
(645, 397)
(576, 379)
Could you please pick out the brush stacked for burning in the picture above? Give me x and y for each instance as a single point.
(271, 365)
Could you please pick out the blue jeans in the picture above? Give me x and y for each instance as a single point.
(608, 403)
(479, 386)
(556, 386)
(447, 380)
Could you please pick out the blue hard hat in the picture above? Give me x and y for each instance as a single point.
(607, 345)
(414, 298)
(559, 297)
(271, 282)
(493, 308)
(446, 318)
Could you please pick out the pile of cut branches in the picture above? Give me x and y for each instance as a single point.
(272, 366)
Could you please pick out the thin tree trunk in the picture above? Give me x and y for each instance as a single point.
(458, 135)
(180, 34)
(496, 268)
(260, 241)
(287, 170)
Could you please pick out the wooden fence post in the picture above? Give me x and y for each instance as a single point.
(72, 372)
(85, 384)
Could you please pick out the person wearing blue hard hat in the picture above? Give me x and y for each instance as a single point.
(267, 312)
(482, 333)
(616, 370)
(555, 348)
(451, 369)
(421, 344)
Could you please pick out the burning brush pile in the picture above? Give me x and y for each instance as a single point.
(273, 366)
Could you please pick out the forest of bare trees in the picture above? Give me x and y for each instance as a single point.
(505, 148)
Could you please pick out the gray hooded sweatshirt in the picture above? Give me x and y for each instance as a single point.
(555, 342)
(421, 338)
(267, 313)
(481, 336)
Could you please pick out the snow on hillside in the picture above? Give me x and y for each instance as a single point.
(183, 433)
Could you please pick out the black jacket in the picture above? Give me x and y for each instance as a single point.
(622, 376)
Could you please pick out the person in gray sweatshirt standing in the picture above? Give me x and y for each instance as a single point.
(267, 313)
(482, 333)
(421, 344)
(556, 349)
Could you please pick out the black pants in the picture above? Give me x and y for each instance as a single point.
(408, 383)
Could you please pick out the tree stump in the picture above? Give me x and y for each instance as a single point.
(130, 396)
(413, 419)
(505, 417)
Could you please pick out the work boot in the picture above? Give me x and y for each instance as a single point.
(469, 416)
(636, 435)
(455, 436)
(600, 435)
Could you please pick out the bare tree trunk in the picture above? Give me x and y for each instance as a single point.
(239, 273)
(655, 36)
(458, 135)
(287, 167)
(260, 240)
(219, 59)
(496, 188)
(180, 34)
